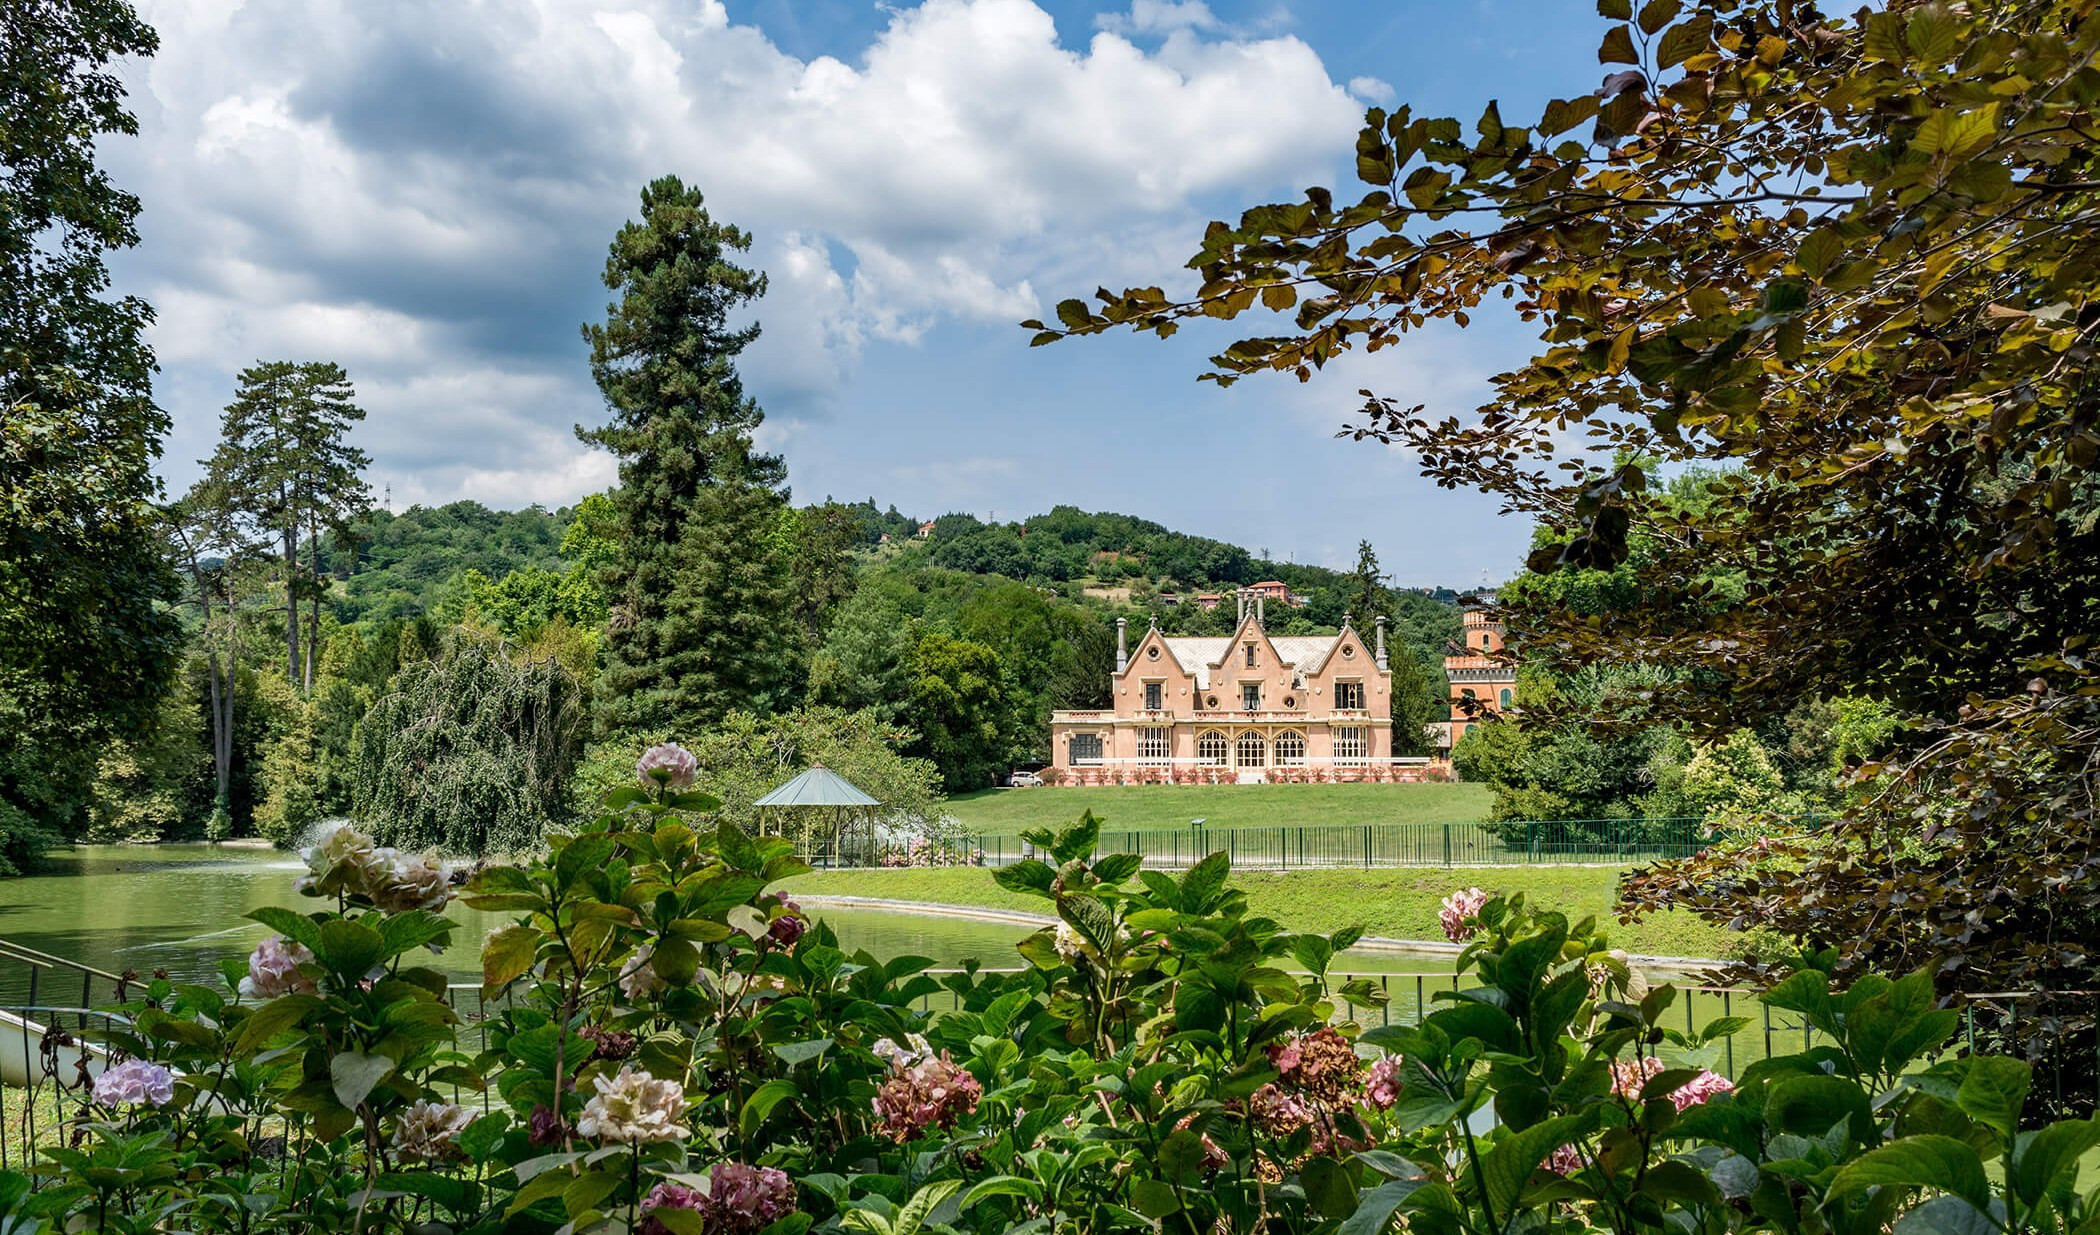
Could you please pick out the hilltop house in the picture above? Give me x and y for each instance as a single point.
(1246, 708)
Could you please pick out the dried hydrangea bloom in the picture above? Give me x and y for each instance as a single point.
(669, 765)
(273, 970)
(1458, 913)
(545, 1127)
(135, 1082)
(633, 1108)
(932, 1093)
(743, 1199)
(1276, 1112)
(405, 881)
(1321, 1064)
(428, 1133)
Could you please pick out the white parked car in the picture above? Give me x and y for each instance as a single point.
(1024, 780)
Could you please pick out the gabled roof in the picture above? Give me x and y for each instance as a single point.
(819, 786)
(1199, 654)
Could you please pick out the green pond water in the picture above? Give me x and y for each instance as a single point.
(180, 907)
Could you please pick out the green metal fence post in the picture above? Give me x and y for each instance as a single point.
(1447, 845)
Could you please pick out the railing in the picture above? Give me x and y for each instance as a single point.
(1559, 842)
(48, 1110)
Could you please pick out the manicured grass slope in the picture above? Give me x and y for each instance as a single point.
(1007, 812)
(1397, 903)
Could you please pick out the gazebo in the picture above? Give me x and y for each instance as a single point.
(833, 820)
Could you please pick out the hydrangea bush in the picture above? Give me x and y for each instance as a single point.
(675, 1049)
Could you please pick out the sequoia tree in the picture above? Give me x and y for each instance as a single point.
(1849, 260)
(701, 620)
(86, 642)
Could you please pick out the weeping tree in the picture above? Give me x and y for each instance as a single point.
(470, 752)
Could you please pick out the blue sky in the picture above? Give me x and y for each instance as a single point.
(423, 190)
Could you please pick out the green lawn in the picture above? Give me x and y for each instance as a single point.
(1396, 903)
(1007, 812)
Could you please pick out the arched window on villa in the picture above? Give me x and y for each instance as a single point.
(1210, 748)
(1505, 697)
(1250, 751)
(1290, 748)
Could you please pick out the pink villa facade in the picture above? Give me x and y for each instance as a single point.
(1249, 708)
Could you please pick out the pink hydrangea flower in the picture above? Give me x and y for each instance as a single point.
(1382, 1084)
(1458, 912)
(669, 765)
(1628, 1076)
(273, 970)
(668, 1195)
(135, 1082)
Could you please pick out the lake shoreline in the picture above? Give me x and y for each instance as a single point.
(1687, 965)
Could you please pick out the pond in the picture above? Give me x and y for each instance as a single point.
(180, 907)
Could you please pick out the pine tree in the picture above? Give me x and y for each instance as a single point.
(1367, 596)
(285, 464)
(701, 620)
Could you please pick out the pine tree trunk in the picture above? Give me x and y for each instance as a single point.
(291, 602)
(313, 620)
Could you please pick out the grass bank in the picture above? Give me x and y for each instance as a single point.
(1398, 903)
(1007, 812)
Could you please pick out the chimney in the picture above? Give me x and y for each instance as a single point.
(1261, 600)
(1122, 652)
(1382, 665)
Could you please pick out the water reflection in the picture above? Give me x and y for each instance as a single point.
(179, 907)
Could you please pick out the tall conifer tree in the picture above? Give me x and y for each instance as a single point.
(701, 622)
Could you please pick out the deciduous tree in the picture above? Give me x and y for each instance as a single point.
(1852, 258)
(86, 640)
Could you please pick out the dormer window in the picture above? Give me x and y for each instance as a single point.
(1152, 690)
(1250, 696)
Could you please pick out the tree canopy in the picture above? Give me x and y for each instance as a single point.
(1850, 259)
(86, 641)
(701, 617)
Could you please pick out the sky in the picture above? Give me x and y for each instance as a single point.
(423, 191)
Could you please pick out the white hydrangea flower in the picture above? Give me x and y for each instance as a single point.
(633, 1108)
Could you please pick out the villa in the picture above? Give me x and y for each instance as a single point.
(1248, 708)
(1483, 681)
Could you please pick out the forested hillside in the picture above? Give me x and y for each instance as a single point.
(460, 677)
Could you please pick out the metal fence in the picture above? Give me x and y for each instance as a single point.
(1370, 845)
(45, 1107)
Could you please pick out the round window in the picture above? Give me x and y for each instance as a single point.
(1289, 702)
(1211, 702)
(1348, 649)
(1152, 653)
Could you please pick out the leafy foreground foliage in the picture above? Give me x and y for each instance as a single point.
(685, 1054)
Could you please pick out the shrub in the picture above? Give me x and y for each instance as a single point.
(674, 1049)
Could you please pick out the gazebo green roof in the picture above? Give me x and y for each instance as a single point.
(819, 786)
